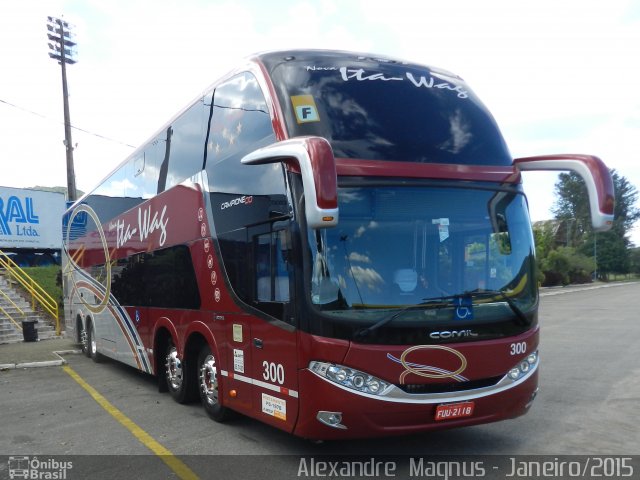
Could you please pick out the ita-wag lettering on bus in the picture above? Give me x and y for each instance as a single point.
(360, 75)
(122, 235)
(148, 222)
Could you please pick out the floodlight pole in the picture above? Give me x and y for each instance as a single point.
(71, 174)
(60, 54)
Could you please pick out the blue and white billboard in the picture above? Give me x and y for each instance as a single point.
(30, 218)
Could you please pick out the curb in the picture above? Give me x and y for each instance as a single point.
(46, 363)
(551, 291)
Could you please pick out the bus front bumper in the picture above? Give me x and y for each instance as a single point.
(330, 412)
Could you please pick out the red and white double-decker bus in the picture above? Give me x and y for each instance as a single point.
(335, 244)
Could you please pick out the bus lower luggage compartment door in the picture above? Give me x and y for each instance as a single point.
(274, 353)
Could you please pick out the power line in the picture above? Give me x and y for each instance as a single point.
(62, 123)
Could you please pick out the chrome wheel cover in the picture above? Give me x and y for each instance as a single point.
(83, 339)
(209, 380)
(174, 369)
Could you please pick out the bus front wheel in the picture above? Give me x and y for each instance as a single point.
(208, 376)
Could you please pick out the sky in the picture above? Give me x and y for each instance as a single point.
(559, 76)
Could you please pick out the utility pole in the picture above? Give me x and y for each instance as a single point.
(63, 49)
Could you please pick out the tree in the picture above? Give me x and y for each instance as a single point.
(613, 253)
(544, 238)
(572, 207)
(565, 265)
(544, 234)
(634, 260)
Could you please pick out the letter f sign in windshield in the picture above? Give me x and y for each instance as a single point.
(305, 108)
(307, 113)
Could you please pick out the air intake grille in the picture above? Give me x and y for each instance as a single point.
(448, 387)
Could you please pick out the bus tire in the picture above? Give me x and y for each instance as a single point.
(179, 375)
(209, 382)
(84, 340)
(92, 344)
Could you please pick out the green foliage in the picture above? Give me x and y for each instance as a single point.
(634, 260)
(612, 251)
(555, 266)
(48, 279)
(571, 209)
(544, 237)
(565, 265)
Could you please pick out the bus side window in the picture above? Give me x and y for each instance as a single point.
(115, 195)
(240, 121)
(141, 174)
(271, 279)
(184, 146)
(245, 198)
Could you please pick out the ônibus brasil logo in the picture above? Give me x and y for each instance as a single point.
(35, 468)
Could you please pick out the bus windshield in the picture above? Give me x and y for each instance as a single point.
(373, 109)
(422, 252)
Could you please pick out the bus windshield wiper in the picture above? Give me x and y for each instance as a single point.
(503, 294)
(446, 300)
(427, 302)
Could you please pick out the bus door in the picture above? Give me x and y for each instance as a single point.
(273, 334)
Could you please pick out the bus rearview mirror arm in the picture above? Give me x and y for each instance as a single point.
(314, 158)
(595, 175)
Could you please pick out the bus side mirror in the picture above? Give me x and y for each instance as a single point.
(595, 174)
(313, 157)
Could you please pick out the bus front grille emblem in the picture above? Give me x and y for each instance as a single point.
(430, 371)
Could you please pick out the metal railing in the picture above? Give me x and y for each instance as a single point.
(38, 294)
(7, 314)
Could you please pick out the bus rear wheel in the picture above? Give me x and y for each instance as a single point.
(209, 381)
(180, 380)
(92, 345)
(84, 341)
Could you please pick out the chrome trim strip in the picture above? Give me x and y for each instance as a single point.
(260, 383)
(397, 395)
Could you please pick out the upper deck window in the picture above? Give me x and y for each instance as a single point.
(379, 110)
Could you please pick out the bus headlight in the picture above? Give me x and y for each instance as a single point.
(350, 378)
(524, 366)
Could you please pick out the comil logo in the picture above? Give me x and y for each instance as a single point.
(17, 217)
